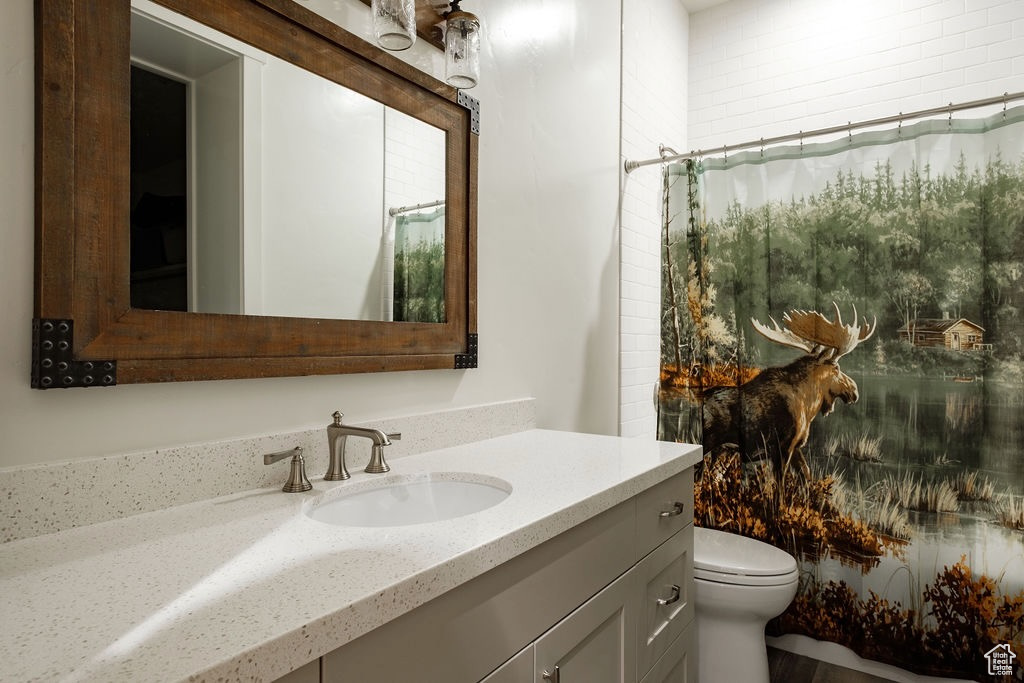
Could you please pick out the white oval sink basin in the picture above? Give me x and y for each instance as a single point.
(413, 499)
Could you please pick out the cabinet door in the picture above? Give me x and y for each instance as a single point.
(679, 663)
(666, 576)
(596, 643)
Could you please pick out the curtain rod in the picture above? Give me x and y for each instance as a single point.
(949, 108)
(414, 207)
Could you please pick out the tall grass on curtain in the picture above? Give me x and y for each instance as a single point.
(843, 330)
(419, 267)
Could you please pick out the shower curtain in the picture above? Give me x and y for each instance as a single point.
(843, 330)
(419, 267)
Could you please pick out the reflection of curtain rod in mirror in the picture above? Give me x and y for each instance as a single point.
(414, 207)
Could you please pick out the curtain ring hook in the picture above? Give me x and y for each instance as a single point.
(801, 142)
(725, 152)
(762, 148)
(849, 132)
(1006, 94)
(899, 126)
(949, 121)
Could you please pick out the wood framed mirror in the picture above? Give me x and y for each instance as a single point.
(86, 331)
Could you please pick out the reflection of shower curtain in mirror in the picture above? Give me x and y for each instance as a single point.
(419, 267)
(885, 452)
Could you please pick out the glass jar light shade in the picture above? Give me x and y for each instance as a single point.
(394, 23)
(462, 50)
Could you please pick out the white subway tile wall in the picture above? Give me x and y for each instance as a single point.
(654, 71)
(762, 69)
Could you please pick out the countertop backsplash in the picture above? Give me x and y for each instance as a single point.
(51, 497)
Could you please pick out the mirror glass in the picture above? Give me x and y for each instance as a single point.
(261, 188)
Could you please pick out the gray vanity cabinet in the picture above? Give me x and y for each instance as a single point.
(639, 627)
(610, 600)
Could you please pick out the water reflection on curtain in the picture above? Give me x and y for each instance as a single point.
(419, 267)
(885, 452)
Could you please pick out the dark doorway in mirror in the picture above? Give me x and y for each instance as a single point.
(159, 192)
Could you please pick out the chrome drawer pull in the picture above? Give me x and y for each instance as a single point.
(554, 677)
(677, 509)
(674, 598)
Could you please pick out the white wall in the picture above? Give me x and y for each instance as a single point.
(321, 220)
(760, 68)
(215, 235)
(654, 63)
(548, 258)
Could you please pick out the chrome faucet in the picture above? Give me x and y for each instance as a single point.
(337, 436)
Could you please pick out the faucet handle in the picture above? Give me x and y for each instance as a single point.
(297, 481)
(377, 464)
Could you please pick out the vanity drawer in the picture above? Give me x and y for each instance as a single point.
(663, 510)
(667, 590)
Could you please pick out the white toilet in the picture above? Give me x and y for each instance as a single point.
(741, 584)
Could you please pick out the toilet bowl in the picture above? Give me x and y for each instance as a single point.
(740, 584)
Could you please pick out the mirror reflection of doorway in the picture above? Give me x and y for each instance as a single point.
(187, 125)
(159, 197)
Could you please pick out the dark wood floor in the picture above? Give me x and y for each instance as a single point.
(787, 667)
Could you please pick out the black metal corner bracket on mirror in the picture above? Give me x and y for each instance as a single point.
(53, 364)
(470, 359)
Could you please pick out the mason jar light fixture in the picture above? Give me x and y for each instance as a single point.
(394, 23)
(461, 47)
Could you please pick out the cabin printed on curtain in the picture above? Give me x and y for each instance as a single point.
(843, 331)
(957, 335)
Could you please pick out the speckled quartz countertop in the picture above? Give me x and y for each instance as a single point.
(247, 587)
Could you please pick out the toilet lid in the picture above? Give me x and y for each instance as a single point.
(730, 558)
